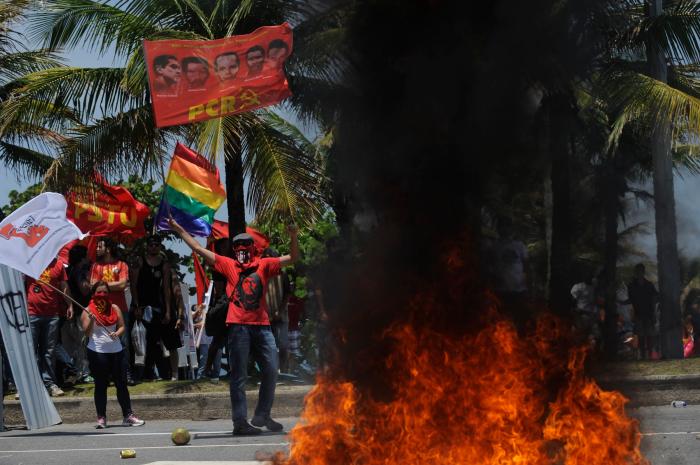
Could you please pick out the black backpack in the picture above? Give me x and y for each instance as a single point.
(215, 324)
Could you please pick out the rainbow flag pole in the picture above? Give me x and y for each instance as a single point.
(191, 194)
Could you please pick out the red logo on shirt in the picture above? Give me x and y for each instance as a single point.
(30, 232)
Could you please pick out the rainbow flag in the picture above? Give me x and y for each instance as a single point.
(192, 193)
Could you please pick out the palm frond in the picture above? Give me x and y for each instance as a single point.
(284, 178)
(26, 163)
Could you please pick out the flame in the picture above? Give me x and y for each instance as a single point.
(492, 397)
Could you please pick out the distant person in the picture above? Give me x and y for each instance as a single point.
(104, 325)
(151, 299)
(586, 312)
(196, 72)
(115, 273)
(44, 305)
(226, 66)
(643, 296)
(508, 267)
(167, 75)
(278, 293)
(248, 324)
(277, 53)
(255, 59)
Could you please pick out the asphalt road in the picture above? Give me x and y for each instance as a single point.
(671, 436)
(81, 444)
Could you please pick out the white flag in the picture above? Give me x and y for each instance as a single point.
(32, 235)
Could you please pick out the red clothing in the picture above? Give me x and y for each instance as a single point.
(43, 300)
(109, 273)
(247, 303)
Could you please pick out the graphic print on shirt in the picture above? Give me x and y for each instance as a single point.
(248, 291)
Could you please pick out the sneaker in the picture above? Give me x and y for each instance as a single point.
(130, 381)
(17, 396)
(267, 422)
(56, 391)
(132, 420)
(245, 429)
(101, 423)
(88, 379)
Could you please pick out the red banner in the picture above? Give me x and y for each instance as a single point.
(112, 211)
(197, 80)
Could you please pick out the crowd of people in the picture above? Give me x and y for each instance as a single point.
(88, 320)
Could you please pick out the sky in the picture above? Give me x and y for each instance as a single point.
(81, 57)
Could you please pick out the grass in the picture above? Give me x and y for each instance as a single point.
(689, 366)
(148, 388)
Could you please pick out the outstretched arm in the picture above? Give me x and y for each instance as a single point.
(294, 252)
(191, 242)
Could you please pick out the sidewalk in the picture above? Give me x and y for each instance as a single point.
(194, 406)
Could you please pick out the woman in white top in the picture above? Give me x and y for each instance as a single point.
(103, 323)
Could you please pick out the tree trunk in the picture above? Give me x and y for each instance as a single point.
(665, 215)
(559, 151)
(234, 190)
(611, 181)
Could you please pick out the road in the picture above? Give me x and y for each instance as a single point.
(670, 437)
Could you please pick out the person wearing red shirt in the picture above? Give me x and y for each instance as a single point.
(248, 323)
(44, 305)
(115, 273)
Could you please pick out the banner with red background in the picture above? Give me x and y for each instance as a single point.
(112, 211)
(197, 80)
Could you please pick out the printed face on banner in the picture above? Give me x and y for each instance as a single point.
(196, 80)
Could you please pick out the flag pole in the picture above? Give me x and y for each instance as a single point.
(72, 299)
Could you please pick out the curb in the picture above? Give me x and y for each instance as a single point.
(289, 401)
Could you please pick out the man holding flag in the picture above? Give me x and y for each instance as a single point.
(44, 304)
(248, 324)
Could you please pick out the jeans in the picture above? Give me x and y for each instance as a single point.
(102, 366)
(44, 335)
(202, 362)
(258, 341)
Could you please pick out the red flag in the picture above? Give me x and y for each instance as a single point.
(219, 230)
(112, 211)
(197, 80)
(200, 279)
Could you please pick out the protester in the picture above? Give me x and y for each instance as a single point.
(249, 327)
(643, 296)
(215, 322)
(171, 328)
(115, 273)
(45, 299)
(278, 293)
(295, 312)
(586, 313)
(104, 325)
(151, 300)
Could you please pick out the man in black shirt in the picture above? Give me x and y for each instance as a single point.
(151, 299)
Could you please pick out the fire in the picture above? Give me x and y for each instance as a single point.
(491, 397)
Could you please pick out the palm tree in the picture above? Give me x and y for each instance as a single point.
(116, 132)
(23, 147)
(650, 78)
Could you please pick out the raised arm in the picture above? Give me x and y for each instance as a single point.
(293, 255)
(191, 242)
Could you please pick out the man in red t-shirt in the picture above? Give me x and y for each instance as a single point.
(248, 324)
(44, 305)
(115, 273)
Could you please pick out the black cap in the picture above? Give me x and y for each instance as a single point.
(243, 237)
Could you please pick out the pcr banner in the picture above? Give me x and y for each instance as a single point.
(197, 80)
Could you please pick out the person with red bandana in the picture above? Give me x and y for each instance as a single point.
(103, 323)
(248, 324)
